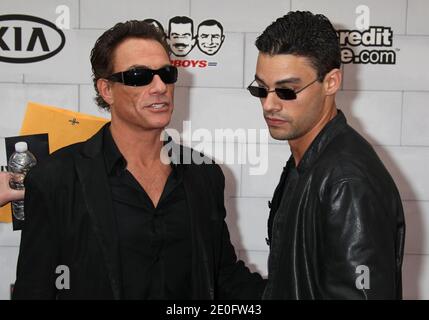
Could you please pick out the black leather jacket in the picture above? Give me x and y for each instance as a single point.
(336, 228)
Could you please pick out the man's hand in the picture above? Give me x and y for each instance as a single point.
(8, 194)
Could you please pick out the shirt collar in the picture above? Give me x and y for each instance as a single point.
(113, 158)
(115, 161)
(325, 136)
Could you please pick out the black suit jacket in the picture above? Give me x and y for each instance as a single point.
(70, 222)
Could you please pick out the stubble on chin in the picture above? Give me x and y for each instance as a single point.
(284, 134)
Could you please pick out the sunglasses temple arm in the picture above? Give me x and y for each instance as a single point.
(306, 86)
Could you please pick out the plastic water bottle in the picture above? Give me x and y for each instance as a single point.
(20, 162)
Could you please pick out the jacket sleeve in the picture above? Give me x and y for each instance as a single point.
(359, 243)
(35, 277)
(234, 280)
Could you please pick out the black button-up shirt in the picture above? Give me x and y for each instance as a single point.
(155, 243)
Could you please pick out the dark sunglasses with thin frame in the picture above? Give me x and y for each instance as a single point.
(282, 93)
(143, 76)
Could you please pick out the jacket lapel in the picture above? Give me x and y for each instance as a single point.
(275, 202)
(92, 175)
(197, 200)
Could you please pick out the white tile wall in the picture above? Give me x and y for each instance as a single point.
(364, 109)
(247, 221)
(70, 65)
(411, 72)
(240, 15)
(8, 260)
(16, 96)
(264, 185)
(409, 168)
(343, 13)
(227, 155)
(256, 261)
(415, 129)
(415, 277)
(181, 111)
(46, 9)
(87, 104)
(216, 109)
(206, 108)
(11, 77)
(96, 14)
(387, 104)
(3, 158)
(8, 237)
(232, 174)
(417, 15)
(250, 58)
(417, 224)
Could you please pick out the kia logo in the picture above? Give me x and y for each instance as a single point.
(25, 39)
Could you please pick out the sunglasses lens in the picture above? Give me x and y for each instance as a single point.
(258, 92)
(286, 94)
(137, 77)
(168, 74)
(142, 77)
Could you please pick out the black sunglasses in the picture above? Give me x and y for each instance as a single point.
(282, 93)
(143, 76)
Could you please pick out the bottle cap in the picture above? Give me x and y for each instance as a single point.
(21, 146)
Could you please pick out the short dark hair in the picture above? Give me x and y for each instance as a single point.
(102, 53)
(303, 33)
(182, 20)
(210, 22)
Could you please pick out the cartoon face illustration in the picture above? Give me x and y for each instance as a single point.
(210, 36)
(181, 36)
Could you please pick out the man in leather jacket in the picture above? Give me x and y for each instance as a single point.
(336, 226)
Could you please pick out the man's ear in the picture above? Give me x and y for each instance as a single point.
(105, 89)
(332, 81)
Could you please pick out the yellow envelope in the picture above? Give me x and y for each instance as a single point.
(64, 127)
(6, 213)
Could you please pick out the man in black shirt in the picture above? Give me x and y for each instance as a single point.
(122, 222)
(155, 242)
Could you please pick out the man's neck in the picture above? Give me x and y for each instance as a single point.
(138, 146)
(300, 145)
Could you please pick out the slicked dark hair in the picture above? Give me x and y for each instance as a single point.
(181, 20)
(303, 33)
(209, 23)
(104, 48)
